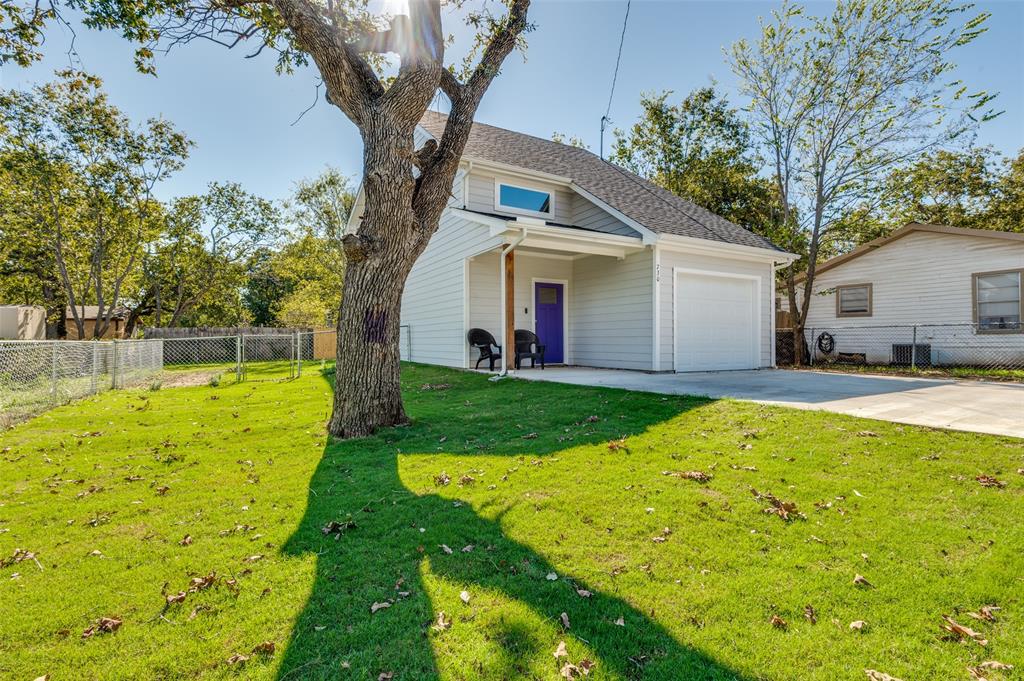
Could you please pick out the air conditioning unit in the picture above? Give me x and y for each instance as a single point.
(901, 356)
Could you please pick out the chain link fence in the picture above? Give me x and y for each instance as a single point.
(961, 350)
(39, 375)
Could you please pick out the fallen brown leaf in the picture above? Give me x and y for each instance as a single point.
(861, 580)
(778, 622)
(337, 527)
(570, 671)
(879, 676)
(265, 648)
(583, 593)
(698, 476)
(961, 632)
(858, 625)
(464, 596)
(441, 479)
(238, 658)
(989, 481)
(443, 623)
(379, 606)
(175, 598)
(162, 490)
(616, 445)
(385, 676)
(186, 540)
(786, 510)
(621, 622)
(444, 547)
(810, 614)
(560, 651)
(466, 480)
(565, 620)
(986, 613)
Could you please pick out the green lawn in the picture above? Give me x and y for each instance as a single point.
(538, 507)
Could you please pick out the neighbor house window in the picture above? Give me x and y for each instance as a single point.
(997, 302)
(523, 199)
(853, 300)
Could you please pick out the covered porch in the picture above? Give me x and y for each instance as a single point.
(549, 280)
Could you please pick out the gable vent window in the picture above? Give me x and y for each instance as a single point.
(998, 301)
(853, 301)
(524, 200)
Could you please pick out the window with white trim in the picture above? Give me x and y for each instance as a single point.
(997, 297)
(853, 300)
(524, 199)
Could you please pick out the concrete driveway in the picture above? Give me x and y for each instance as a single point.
(983, 407)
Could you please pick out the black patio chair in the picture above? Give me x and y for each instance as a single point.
(528, 346)
(485, 343)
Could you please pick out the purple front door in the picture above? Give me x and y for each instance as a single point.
(548, 303)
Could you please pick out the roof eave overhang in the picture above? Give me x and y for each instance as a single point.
(536, 234)
(723, 249)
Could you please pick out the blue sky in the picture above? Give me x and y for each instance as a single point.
(240, 113)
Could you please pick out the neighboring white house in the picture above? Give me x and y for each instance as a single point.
(608, 269)
(960, 288)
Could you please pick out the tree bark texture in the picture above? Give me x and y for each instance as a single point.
(402, 208)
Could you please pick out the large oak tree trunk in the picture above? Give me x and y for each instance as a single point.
(367, 392)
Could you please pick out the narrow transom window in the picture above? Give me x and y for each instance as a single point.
(998, 301)
(853, 301)
(520, 198)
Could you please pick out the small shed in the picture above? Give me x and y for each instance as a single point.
(90, 316)
(22, 322)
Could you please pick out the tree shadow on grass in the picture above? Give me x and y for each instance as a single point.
(387, 558)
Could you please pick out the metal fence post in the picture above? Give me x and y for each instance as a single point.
(53, 373)
(811, 347)
(298, 354)
(913, 350)
(95, 367)
(113, 366)
(238, 358)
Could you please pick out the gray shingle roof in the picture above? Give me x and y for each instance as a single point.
(655, 208)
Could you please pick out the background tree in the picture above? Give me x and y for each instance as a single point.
(700, 150)
(970, 188)
(1006, 211)
(87, 177)
(839, 101)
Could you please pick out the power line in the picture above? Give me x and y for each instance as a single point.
(615, 76)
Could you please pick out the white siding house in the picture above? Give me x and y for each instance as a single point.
(955, 292)
(608, 270)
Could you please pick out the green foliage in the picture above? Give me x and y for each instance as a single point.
(299, 283)
(570, 140)
(700, 150)
(970, 188)
(81, 177)
(839, 101)
(899, 505)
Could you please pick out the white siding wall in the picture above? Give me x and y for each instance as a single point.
(481, 194)
(922, 278)
(570, 207)
(610, 311)
(670, 259)
(485, 288)
(586, 214)
(433, 304)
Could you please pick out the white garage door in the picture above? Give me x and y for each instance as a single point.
(716, 323)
